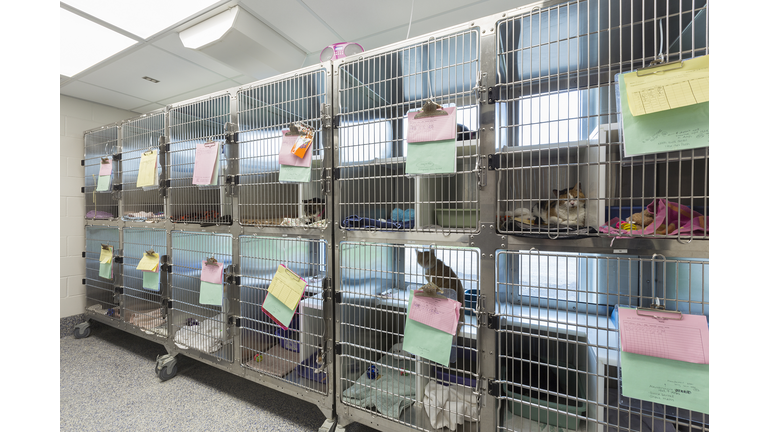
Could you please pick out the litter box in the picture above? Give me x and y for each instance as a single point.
(544, 405)
(457, 218)
(462, 372)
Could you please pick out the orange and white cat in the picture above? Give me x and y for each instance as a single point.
(440, 274)
(568, 209)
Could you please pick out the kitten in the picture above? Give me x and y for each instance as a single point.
(314, 210)
(437, 272)
(568, 209)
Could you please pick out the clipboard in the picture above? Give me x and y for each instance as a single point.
(430, 109)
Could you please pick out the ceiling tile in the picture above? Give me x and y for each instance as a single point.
(172, 44)
(372, 17)
(176, 75)
(292, 19)
(100, 95)
(203, 91)
(148, 108)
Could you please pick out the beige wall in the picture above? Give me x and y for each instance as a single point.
(77, 116)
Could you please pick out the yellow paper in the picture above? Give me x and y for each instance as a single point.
(147, 169)
(106, 255)
(149, 263)
(668, 88)
(287, 287)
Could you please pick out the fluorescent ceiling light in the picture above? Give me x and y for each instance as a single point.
(85, 43)
(209, 30)
(143, 18)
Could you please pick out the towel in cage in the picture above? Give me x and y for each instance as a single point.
(205, 336)
(142, 216)
(279, 360)
(148, 319)
(205, 217)
(669, 218)
(449, 406)
(98, 214)
(392, 390)
(355, 221)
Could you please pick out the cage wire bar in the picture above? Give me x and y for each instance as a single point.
(101, 144)
(145, 304)
(558, 337)
(139, 136)
(376, 91)
(265, 112)
(376, 374)
(559, 126)
(294, 354)
(197, 324)
(190, 124)
(101, 297)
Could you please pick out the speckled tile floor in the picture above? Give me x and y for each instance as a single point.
(108, 383)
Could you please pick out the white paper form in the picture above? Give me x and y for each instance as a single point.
(685, 340)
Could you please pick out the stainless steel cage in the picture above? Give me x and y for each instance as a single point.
(558, 124)
(376, 91)
(101, 143)
(296, 355)
(376, 280)
(265, 110)
(190, 124)
(558, 337)
(145, 306)
(101, 295)
(139, 136)
(204, 328)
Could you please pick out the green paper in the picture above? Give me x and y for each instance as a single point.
(432, 157)
(664, 131)
(425, 341)
(294, 174)
(279, 311)
(105, 270)
(211, 293)
(151, 280)
(669, 382)
(103, 183)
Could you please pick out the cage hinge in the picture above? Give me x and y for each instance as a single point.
(82, 189)
(234, 321)
(233, 280)
(494, 94)
(83, 281)
(117, 157)
(337, 349)
(119, 290)
(494, 321)
(82, 162)
(336, 121)
(337, 298)
(233, 179)
(494, 388)
(170, 304)
(167, 268)
(118, 259)
(83, 254)
(117, 187)
(167, 183)
(494, 161)
(336, 173)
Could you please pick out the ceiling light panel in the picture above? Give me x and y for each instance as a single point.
(143, 18)
(85, 43)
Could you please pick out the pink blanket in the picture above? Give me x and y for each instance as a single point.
(669, 218)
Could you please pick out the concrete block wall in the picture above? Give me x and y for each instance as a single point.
(77, 116)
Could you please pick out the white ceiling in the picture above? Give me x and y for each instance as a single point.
(309, 25)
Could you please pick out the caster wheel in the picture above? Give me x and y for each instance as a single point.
(166, 372)
(82, 331)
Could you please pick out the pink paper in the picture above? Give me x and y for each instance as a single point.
(205, 160)
(437, 128)
(442, 314)
(212, 273)
(105, 169)
(684, 340)
(288, 158)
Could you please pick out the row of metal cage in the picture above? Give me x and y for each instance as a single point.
(535, 97)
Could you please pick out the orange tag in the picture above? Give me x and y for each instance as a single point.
(302, 144)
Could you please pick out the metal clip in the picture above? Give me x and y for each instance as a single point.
(151, 252)
(105, 160)
(430, 109)
(211, 261)
(105, 246)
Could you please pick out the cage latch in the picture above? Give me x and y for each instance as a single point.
(494, 94)
(337, 349)
(494, 321)
(494, 161)
(234, 280)
(480, 88)
(494, 388)
(233, 320)
(327, 289)
(326, 119)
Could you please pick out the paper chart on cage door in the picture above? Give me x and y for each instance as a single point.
(685, 340)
